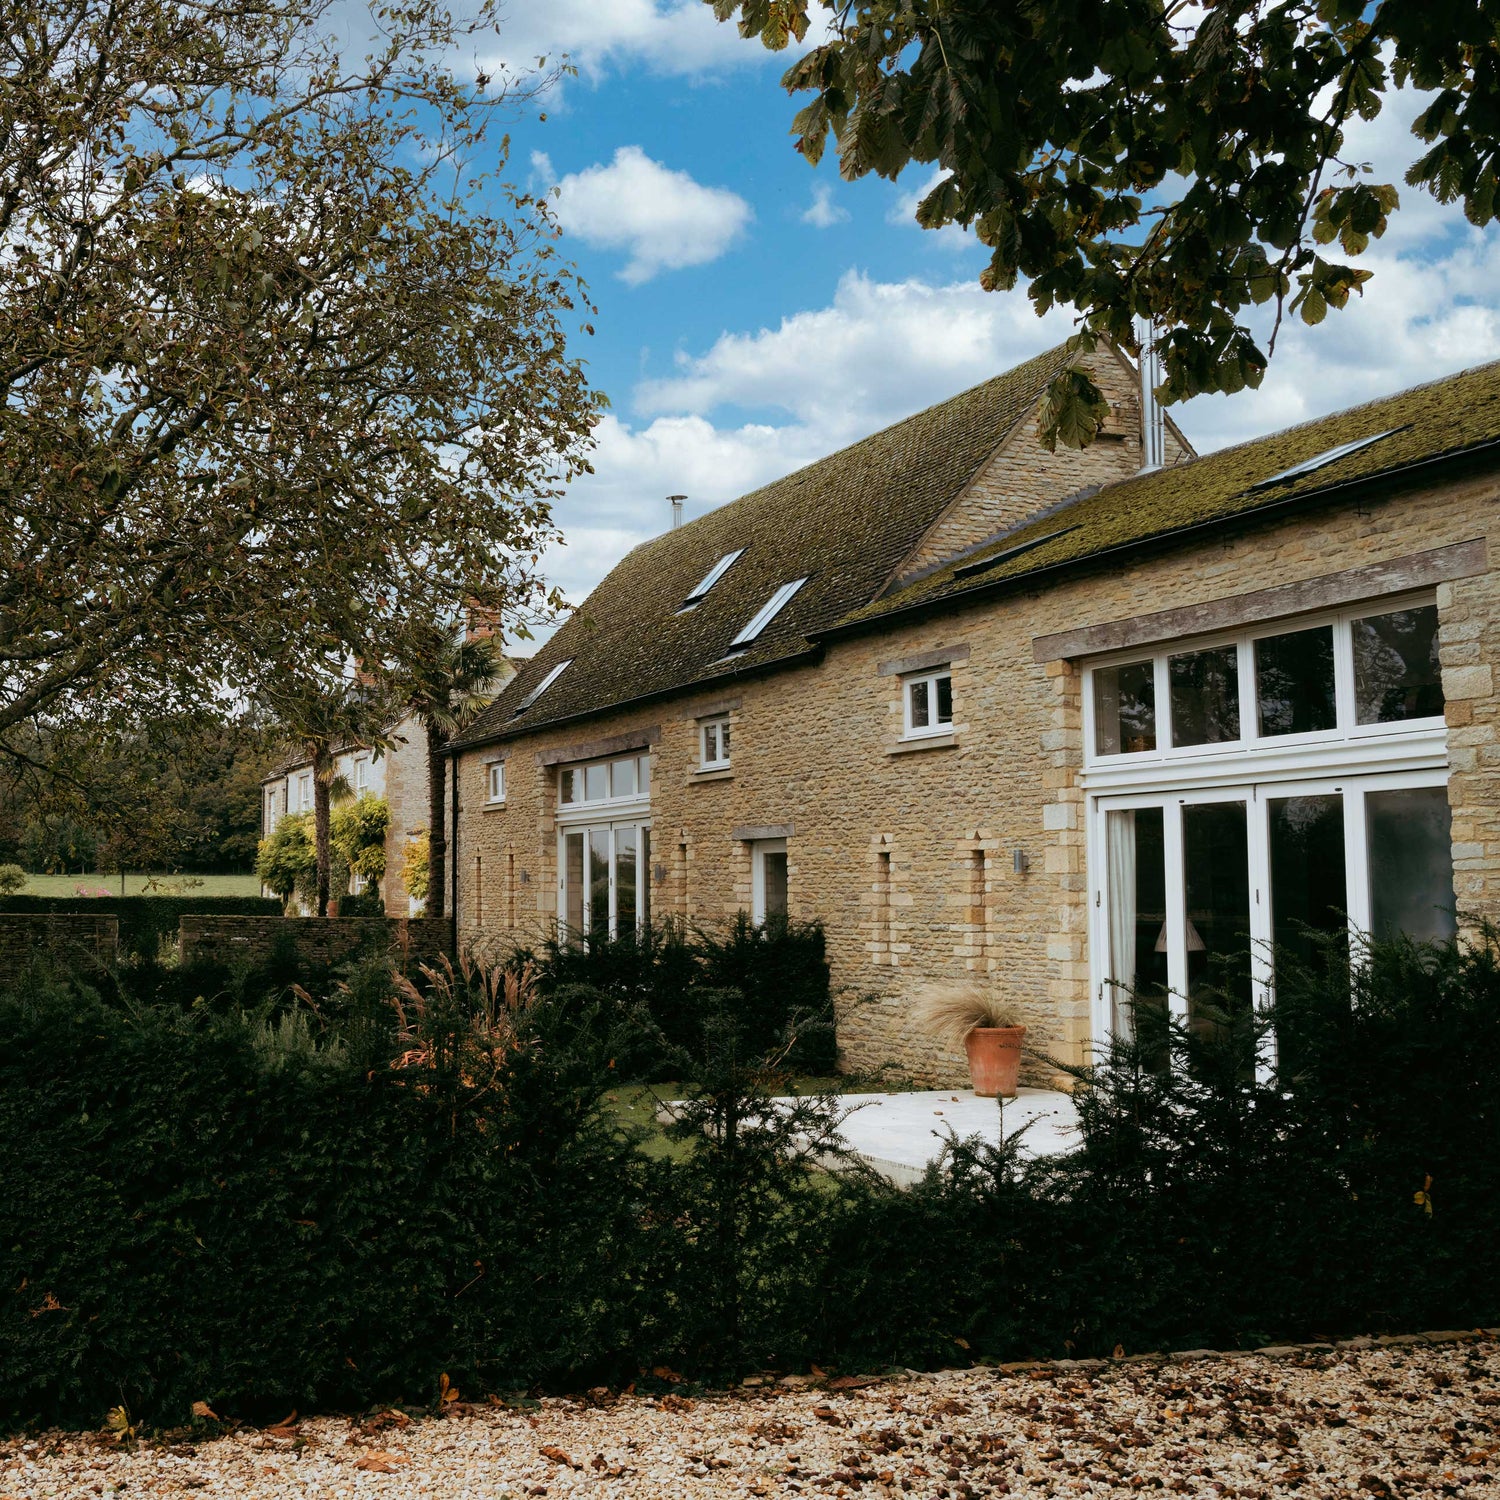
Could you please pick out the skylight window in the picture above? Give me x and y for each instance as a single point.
(543, 685)
(766, 613)
(713, 575)
(1319, 460)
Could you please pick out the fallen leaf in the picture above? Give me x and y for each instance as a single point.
(559, 1457)
(666, 1372)
(447, 1391)
(852, 1382)
(203, 1409)
(381, 1462)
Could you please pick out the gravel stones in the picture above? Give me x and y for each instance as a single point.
(1409, 1420)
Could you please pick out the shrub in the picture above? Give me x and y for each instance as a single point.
(286, 860)
(12, 880)
(416, 858)
(356, 834)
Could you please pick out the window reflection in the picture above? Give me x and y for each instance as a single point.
(1205, 696)
(1294, 682)
(1396, 671)
(1125, 709)
(1411, 864)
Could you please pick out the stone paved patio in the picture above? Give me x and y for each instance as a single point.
(899, 1134)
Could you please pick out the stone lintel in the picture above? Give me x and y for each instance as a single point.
(939, 656)
(1331, 590)
(613, 744)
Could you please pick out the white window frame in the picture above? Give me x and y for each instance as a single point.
(361, 774)
(304, 791)
(1257, 796)
(1273, 754)
(714, 733)
(935, 726)
(759, 848)
(588, 810)
(494, 782)
(641, 826)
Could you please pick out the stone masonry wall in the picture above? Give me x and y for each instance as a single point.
(70, 940)
(406, 795)
(320, 941)
(1022, 477)
(907, 854)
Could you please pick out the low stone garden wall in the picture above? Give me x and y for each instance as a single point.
(317, 941)
(69, 940)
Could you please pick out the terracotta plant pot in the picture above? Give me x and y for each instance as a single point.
(995, 1059)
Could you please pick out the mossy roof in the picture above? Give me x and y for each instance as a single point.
(844, 523)
(1425, 423)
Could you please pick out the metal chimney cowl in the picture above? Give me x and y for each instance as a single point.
(676, 509)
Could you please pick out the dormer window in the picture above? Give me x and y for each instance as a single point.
(766, 613)
(542, 686)
(713, 575)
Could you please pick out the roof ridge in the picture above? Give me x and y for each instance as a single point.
(1009, 374)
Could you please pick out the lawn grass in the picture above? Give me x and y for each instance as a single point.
(135, 885)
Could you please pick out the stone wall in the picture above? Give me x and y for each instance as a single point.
(907, 853)
(317, 941)
(68, 940)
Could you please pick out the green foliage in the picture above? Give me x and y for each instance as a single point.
(1135, 159)
(145, 921)
(414, 870)
(348, 421)
(286, 861)
(12, 880)
(357, 832)
(667, 977)
(424, 1179)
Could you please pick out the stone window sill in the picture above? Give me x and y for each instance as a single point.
(490, 807)
(923, 742)
(718, 773)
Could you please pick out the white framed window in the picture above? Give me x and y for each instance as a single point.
(361, 773)
(1296, 687)
(598, 783)
(495, 781)
(603, 880)
(768, 880)
(713, 745)
(927, 704)
(766, 613)
(304, 791)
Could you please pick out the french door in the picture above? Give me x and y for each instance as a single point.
(603, 879)
(1195, 891)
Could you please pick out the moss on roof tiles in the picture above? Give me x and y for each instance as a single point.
(845, 523)
(1427, 422)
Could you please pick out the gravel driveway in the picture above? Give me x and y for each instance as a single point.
(1396, 1419)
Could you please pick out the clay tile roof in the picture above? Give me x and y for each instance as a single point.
(1444, 418)
(844, 523)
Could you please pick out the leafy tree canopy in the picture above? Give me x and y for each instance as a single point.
(274, 380)
(286, 861)
(357, 830)
(1139, 159)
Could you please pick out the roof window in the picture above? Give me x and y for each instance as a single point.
(541, 687)
(1319, 460)
(766, 613)
(713, 575)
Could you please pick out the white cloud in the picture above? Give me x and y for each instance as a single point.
(663, 219)
(824, 213)
(903, 211)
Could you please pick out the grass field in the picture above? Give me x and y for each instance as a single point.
(135, 885)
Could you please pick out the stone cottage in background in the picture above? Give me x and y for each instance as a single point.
(1058, 723)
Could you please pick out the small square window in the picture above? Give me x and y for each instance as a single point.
(497, 781)
(1396, 671)
(1125, 708)
(1205, 689)
(929, 704)
(622, 778)
(715, 746)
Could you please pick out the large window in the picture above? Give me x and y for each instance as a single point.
(1353, 674)
(1281, 791)
(604, 848)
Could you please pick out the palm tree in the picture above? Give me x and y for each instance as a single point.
(448, 680)
(320, 712)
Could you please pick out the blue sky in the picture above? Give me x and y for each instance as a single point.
(755, 314)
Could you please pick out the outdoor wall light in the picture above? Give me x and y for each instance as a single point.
(1020, 861)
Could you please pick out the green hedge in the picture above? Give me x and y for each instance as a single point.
(331, 1205)
(145, 920)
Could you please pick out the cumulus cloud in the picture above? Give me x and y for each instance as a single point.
(662, 219)
(823, 212)
(903, 211)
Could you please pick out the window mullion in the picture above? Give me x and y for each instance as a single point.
(1343, 674)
